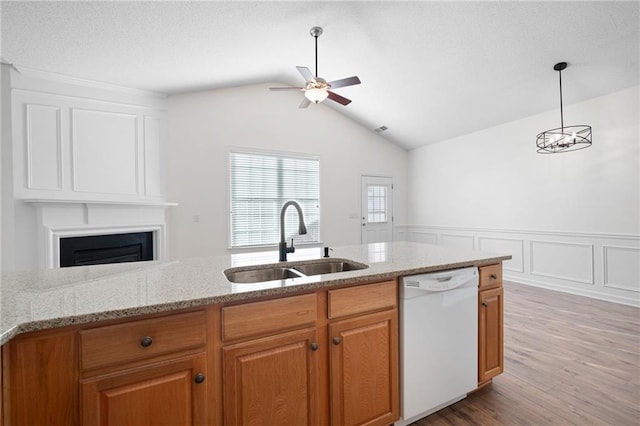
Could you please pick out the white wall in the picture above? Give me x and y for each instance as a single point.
(203, 125)
(571, 220)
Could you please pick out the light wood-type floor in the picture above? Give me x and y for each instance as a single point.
(569, 360)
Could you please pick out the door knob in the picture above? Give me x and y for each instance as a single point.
(314, 346)
(199, 378)
(336, 340)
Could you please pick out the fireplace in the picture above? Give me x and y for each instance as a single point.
(111, 248)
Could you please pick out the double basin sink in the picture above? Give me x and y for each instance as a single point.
(263, 273)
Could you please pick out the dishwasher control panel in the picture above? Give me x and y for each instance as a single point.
(441, 281)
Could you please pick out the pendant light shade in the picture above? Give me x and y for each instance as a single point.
(563, 138)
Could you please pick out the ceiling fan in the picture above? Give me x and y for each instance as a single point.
(316, 88)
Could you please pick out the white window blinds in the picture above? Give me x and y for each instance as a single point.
(260, 184)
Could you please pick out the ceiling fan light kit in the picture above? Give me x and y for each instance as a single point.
(563, 138)
(316, 88)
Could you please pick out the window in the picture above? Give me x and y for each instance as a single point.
(377, 203)
(260, 184)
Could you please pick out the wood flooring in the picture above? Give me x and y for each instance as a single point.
(569, 360)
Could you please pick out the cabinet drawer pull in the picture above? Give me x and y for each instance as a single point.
(314, 346)
(146, 342)
(493, 276)
(199, 378)
(336, 340)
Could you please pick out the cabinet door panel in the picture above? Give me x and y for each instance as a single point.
(490, 334)
(272, 381)
(164, 394)
(364, 370)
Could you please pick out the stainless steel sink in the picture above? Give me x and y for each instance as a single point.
(263, 273)
(329, 267)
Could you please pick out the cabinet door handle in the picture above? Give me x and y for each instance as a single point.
(199, 378)
(484, 304)
(146, 342)
(493, 276)
(336, 340)
(314, 346)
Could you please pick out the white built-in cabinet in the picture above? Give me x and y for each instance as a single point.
(80, 140)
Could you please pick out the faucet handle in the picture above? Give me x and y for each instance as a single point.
(292, 249)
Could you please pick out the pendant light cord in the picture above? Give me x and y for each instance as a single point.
(561, 114)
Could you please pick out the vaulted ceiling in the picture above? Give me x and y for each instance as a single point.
(430, 71)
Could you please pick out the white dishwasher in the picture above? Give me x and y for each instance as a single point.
(438, 341)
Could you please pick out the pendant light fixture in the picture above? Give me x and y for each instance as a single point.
(563, 138)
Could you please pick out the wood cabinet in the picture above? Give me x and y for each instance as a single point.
(349, 336)
(41, 379)
(490, 323)
(1, 392)
(273, 380)
(364, 370)
(147, 372)
(137, 372)
(363, 363)
(168, 393)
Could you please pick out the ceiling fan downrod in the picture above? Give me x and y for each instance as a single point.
(315, 33)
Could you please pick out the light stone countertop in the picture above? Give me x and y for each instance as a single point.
(43, 299)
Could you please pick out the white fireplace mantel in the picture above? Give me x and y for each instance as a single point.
(98, 202)
(65, 218)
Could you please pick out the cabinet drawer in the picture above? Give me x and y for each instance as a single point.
(258, 318)
(360, 299)
(490, 276)
(114, 344)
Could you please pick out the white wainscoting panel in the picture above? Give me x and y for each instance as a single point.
(105, 152)
(459, 241)
(424, 237)
(514, 247)
(153, 184)
(622, 268)
(566, 261)
(598, 265)
(44, 150)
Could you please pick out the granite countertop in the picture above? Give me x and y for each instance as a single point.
(38, 300)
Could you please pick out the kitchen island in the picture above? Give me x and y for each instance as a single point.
(90, 339)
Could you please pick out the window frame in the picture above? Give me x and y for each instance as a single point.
(273, 153)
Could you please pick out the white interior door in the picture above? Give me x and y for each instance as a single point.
(377, 209)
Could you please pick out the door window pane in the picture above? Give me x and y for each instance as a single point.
(377, 203)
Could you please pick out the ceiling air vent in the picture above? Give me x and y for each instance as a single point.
(380, 129)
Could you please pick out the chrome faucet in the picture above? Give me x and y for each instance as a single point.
(302, 229)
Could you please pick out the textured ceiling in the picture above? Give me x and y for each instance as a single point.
(430, 70)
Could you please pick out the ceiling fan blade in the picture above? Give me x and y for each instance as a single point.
(339, 99)
(350, 81)
(285, 88)
(306, 74)
(305, 103)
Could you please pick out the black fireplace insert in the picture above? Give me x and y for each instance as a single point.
(101, 249)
